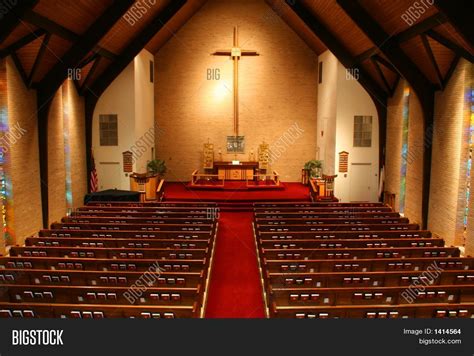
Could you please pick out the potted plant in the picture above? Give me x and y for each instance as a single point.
(156, 167)
(314, 168)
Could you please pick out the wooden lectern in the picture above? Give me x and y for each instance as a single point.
(145, 185)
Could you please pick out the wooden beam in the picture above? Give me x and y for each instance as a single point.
(19, 67)
(459, 14)
(451, 45)
(422, 87)
(450, 71)
(22, 42)
(58, 30)
(134, 48)
(380, 73)
(421, 27)
(385, 63)
(432, 58)
(87, 79)
(38, 59)
(336, 47)
(15, 12)
(83, 45)
(409, 33)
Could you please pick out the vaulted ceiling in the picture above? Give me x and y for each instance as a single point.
(46, 38)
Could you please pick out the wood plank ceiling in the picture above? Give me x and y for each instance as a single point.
(49, 28)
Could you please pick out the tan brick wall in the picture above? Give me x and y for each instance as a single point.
(393, 158)
(77, 139)
(56, 172)
(277, 89)
(24, 157)
(450, 153)
(414, 179)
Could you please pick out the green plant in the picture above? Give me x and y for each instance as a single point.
(313, 167)
(156, 166)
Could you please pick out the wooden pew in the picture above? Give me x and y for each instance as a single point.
(367, 279)
(117, 242)
(170, 296)
(152, 204)
(313, 204)
(335, 235)
(303, 210)
(102, 252)
(436, 310)
(102, 264)
(156, 210)
(310, 222)
(139, 218)
(200, 235)
(97, 278)
(320, 215)
(351, 243)
(346, 253)
(370, 295)
(357, 227)
(89, 311)
(368, 265)
(141, 227)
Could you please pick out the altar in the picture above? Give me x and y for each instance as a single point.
(237, 171)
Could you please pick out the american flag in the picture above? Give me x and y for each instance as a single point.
(94, 181)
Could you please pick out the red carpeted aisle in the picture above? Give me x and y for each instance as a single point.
(235, 289)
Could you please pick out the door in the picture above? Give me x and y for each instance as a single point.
(360, 182)
(109, 175)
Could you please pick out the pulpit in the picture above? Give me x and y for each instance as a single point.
(144, 184)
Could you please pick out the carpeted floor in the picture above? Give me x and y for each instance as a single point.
(235, 289)
(292, 192)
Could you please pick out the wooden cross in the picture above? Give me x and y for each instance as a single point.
(235, 53)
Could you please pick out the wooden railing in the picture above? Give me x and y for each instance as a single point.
(196, 176)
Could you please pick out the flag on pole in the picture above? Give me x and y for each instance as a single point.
(94, 181)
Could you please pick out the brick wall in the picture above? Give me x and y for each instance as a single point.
(394, 142)
(277, 89)
(450, 153)
(56, 156)
(414, 177)
(56, 172)
(24, 157)
(77, 139)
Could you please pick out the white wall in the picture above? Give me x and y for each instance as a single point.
(352, 100)
(340, 98)
(327, 98)
(130, 96)
(144, 109)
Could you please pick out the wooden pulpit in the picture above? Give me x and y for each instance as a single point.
(145, 185)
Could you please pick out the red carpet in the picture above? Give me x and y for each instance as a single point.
(292, 192)
(235, 289)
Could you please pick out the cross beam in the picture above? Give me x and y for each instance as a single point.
(235, 53)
